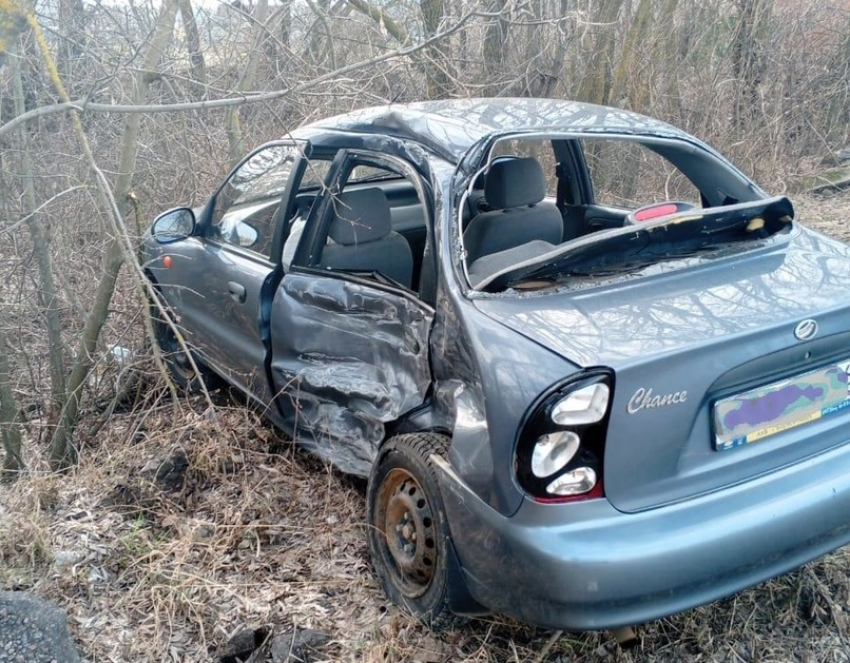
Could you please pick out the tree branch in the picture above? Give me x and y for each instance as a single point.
(24, 219)
(82, 105)
(379, 16)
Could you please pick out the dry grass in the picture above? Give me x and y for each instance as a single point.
(261, 534)
(828, 212)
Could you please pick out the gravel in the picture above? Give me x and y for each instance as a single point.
(33, 631)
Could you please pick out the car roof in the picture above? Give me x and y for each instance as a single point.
(451, 127)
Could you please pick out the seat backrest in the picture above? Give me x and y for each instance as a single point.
(363, 239)
(514, 190)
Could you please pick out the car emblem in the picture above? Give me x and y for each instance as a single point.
(806, 330)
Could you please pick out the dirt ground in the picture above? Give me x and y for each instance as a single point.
(258, 534)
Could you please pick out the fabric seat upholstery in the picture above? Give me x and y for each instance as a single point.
(363, 237)
(514, 190)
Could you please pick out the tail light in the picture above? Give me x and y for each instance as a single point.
(561, 447)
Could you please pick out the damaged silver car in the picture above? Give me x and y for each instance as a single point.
(593, 373)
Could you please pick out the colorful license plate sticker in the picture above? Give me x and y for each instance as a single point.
(760, 413)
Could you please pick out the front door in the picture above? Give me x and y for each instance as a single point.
(349, 335)
(231, 268)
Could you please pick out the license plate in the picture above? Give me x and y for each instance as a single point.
(765, 411)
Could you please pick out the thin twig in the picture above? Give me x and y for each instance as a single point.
(548, 646)
(26, 218)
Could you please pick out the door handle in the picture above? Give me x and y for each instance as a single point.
(237, 291)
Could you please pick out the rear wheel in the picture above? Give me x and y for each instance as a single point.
(178, 363)
(408, 535)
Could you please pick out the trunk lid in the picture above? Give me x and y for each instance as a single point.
(684, 338)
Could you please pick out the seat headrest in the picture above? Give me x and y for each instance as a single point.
(514, 183)
(360, 216)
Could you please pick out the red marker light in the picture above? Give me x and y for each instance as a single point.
(166, 261)
(656, 212)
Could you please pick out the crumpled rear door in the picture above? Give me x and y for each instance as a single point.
(348, 356)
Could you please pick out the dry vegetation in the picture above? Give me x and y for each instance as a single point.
(257, 533)
(261, 535)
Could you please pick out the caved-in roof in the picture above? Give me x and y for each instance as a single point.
(449, 128)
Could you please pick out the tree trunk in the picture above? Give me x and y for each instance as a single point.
(752, 21)
(495, 40)
(284, 27)
(13, 22)
(629, 57)
(314, 55)
(10, 429)
(232, 121)
(193, 43)
(72, 19)
(438, 80)
(63, 453)
(377, 14)
(41, 248)
(672, 50)
(279, 29)
(599, 53)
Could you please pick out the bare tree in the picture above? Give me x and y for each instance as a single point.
(47, 293)
(495, 42)
(747, 42)
(232, 121)
(62, 451)
(193, 42)
(600, 38)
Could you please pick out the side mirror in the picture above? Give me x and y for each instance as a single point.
(246, 235)
(173, 225)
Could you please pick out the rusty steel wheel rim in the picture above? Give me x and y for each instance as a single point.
(410, 543)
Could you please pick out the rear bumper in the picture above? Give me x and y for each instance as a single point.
(587, 566)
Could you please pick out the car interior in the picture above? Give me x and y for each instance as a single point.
(379, 222)
(377, 226)
(533, 195)
(521, 206)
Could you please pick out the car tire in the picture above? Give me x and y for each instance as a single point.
(409, 539)
(179, 367)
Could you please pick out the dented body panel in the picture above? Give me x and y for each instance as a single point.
(346, 360)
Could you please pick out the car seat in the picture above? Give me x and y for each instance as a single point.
(363, 237)
(514, 190)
